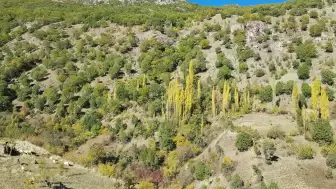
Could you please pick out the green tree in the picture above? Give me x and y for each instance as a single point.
(266, 94)
(322, 132)
(306, 51)
(316, 30)
(201, 171)
(303, 72)
(205, 44)
(224, 73)
(306, 90)
(328, 76)
(244, 141)
(236, 182)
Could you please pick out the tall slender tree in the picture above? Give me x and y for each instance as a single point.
(213, 102)
(295, 97)
(199, 88)
(225, 96)
(236, 99)
(189, 90)
(316, 87)
(324, 104)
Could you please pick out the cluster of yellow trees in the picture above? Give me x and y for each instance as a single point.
(242, 102)
(180, 100)
(319, 102)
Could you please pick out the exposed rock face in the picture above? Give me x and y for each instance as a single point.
(255, 29)
(29, 148)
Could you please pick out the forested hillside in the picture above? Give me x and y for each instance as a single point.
(173, 96)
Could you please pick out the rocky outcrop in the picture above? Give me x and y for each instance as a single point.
(23, 147)
(255, 29)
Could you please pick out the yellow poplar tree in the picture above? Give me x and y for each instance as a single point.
(199, 89)
(236, 99)
(316, 87)
(115, 91)
(144, 81)
(213, 102)
(189, 91)
(295, 97)
(304, 117)
(226, 96)
(324, 104)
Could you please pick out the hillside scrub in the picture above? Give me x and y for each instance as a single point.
(152, 86)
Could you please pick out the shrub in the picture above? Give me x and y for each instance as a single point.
(331, 159)
(205, 44)
(218, 50)
(330, 94)
(275, 133)
(223, 61)
(259, 72)
(145, 185)
(236, 182)
(269, 150)
(328, 76)
(306, 50)
(271, 67)
(295, 64)
(106, 169)
(313, 14)
(244, 141)
(284, 88)
(316, 30)
(322, 131)
(329, 47)
(201, 171)
(227, 165)
(306, 90)
(305, 152)
(243, 67)
(303, 72)
(224, 73)
(39, 73)
(244, 53)
(266, 94)
(329, 174)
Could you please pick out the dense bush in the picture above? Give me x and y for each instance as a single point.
(236, 182)
(303, 72)
(269, 150)
(306, 90)
(305, 152)
(223, 61)
(201, 171)
(243, 67)
(224, 73)
(322, 132)
(316, 30)
(259, 72)
(275, 133)
(328, 76)
(266, 94)
(284, 88)
(306, 51)
(331, 159)
(244, 141)
(205, 44)
(329, 47)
